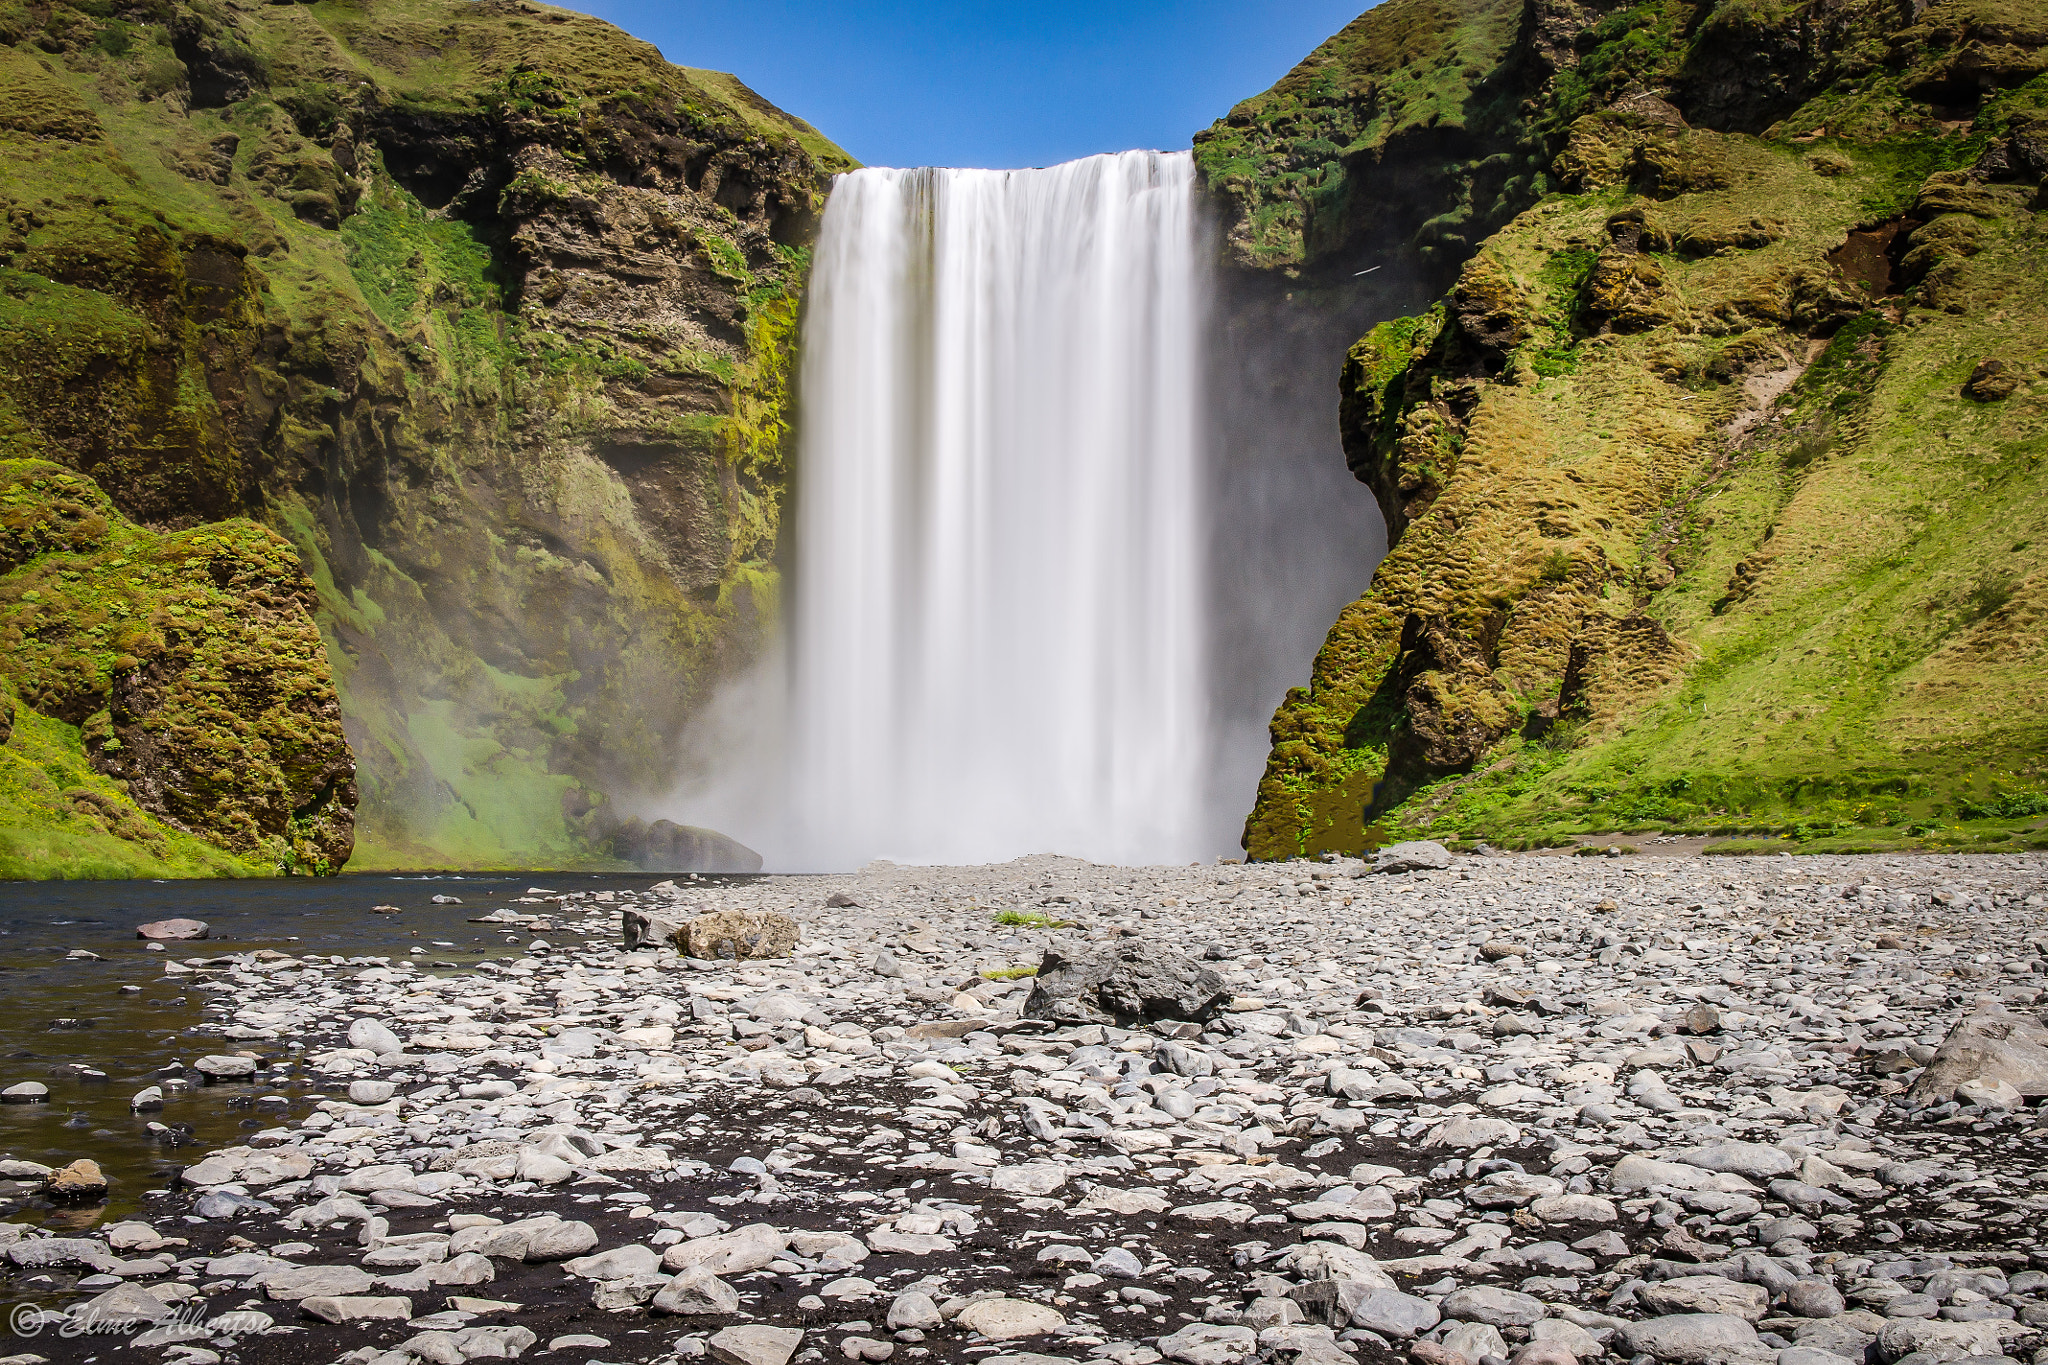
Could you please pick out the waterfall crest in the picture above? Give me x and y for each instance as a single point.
(996, 638)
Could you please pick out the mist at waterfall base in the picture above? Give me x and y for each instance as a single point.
(1050, 563)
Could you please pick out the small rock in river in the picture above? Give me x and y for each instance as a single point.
(172, 929)
(28, 1092)
(371, 1035)
(225, 1068)
(1419, 855)
(82, 1179)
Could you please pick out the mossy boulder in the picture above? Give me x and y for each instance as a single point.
(188, 665)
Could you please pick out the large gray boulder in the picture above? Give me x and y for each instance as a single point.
(1994, 1044)
(1128, 983)
(1691, 1338)
(1417, 855)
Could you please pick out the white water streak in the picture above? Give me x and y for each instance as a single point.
(997, 639)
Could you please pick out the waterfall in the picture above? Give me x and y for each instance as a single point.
(996, 641)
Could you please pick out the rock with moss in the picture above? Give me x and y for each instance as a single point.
(1708, 508)
(484, 306)
(183, 670)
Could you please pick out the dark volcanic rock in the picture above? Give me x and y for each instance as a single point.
(1125, 983)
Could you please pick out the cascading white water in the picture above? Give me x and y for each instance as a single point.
(997, 639)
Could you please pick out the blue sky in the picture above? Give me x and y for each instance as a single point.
(919, 82)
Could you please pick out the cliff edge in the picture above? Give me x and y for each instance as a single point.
(1714, 478)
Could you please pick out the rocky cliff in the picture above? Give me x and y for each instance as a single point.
(1713, 477)
(486, 309)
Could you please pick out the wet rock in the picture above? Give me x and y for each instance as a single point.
(79, 1181)
(26, 1092)
(166, 930)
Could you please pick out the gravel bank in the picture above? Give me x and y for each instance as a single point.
(1530, 1109)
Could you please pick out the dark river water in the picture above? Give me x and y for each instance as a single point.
(63, 1018)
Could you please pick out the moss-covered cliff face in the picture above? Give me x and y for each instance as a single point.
(168, 706)
(481, 304)
(1715, 479)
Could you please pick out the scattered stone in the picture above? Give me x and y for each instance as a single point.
(355, 1308)
(1204, 1344)
(1993, 1045)
(1123, 984)
(1690, 1337)
(81, 1180)
(738, 935)
(1394, 1314)
(755, 1344)
(225, 1068)
(1420, 855)
(374, 1037)
(1004, 1319)
(1580, 1165)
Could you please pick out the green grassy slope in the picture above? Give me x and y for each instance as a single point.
(170, 705)
(1711, 516)
(484, 306)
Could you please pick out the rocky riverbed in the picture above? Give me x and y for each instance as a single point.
(1532, 1109)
